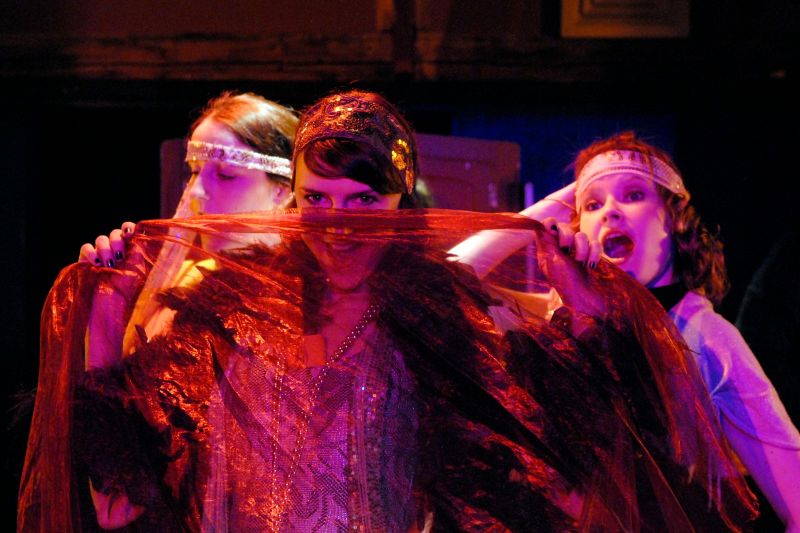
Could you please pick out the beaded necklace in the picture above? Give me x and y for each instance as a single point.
(278, 509)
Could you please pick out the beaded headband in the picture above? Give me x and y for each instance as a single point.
(631, 162)
(203, 151)
(351, 116)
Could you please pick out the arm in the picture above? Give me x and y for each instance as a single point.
(103, 347)
(769, 319)
(559, 205)
(754, 419)
(114, 293)
(776, 470)
(487, 249)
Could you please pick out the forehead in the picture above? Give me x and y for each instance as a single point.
(305, 178)
(620, 180)
(211, 131)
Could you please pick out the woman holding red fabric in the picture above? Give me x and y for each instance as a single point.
(630, 199)
(353, 376)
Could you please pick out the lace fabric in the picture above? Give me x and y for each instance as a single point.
(319, 485)
(593, 418)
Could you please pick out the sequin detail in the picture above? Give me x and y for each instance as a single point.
(203, 151)
(631, 162)
(351, 116)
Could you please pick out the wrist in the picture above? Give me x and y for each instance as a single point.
(567, 205)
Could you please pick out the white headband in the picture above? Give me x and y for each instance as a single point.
(631, 162)
(203, 151)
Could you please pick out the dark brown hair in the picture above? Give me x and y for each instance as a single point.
(361, 161)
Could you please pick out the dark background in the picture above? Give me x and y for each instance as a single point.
(88, 96)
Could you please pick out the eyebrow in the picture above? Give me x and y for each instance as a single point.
(629, 181)
(370, 192)
(638, 179)
(362, 192)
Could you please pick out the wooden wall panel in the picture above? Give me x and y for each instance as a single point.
(97, 19)
(625, 18)
(338, 41)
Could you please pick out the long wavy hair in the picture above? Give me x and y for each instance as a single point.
(699, 258)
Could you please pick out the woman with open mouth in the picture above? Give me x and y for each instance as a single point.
(630, 200)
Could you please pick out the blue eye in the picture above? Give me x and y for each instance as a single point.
(367, 199)
(635, 196)
(313, 198)
(591, 206)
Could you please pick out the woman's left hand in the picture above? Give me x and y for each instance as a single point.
(108, 250)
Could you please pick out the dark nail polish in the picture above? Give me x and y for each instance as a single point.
(128, 230)
(98, 261)
(554, 227)
(118, 255)
(110, 263)
(593, 265)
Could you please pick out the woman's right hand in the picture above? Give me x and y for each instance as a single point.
(114, 510)
(120, 279)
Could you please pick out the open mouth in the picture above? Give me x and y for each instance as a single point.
(617, 246)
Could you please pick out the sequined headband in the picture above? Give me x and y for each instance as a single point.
(631, 162)
(203, 151)
(350, 116)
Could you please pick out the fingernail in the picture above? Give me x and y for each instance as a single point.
(593, 265)
(128, 230)
(110, 262)
(118, 255)
(98, 261)
(554, 227)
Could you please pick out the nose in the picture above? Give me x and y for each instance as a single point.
(195, 187)
(337, 202)
(611, 211)
(195, 195)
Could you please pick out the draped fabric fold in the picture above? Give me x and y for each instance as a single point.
(539, 396)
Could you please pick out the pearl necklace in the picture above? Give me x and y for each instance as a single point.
(278, 509)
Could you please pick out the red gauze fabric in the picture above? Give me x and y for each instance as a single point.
(540, 396)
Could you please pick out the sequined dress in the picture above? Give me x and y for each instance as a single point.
(354, 469)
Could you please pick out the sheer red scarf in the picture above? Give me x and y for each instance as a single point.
(582, 414)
